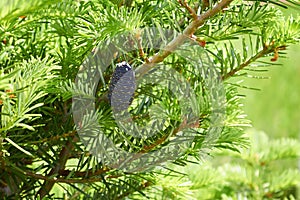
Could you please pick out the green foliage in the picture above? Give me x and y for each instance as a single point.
(44, 46)
(255, 173)
(26, 85)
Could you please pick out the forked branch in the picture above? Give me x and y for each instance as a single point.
(179, 40)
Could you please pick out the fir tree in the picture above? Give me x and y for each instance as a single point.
(54, 89)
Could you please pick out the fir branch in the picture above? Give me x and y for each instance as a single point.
(183, 125)
(187, 33)
(263, 52)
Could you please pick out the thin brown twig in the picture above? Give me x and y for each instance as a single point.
(90, 173)
(160, 141)
(183, 125)
(140, 47)
(190, 9)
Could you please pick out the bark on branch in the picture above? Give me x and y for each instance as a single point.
(176, 42)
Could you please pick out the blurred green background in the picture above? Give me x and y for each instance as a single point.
(275, 109)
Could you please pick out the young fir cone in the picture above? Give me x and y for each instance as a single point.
(122, 87)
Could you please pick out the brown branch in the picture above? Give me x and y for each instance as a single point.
(179, 40)
(182, 126)
(155, 144)
(60, 165)
(160, 141)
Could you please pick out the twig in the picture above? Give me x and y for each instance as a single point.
(191, 10)
(260, 54)
(182, 126)
(87, 173)
(64, 180)
(176, 42)
(140, 47)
